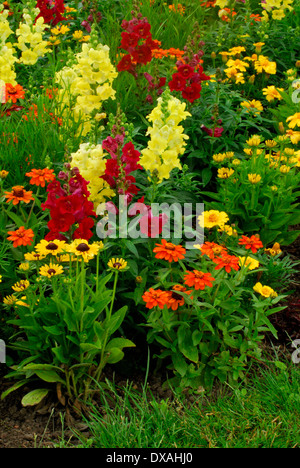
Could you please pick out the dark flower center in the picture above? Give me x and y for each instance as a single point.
(52, 246)
(51, 271)
(82, 247)
(18, 192)
(117, 265)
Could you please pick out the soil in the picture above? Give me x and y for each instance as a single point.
(50, 424)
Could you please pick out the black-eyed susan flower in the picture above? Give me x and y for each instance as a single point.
(225, 172)
(10, 300)
(53, 247)
(117, 264)
(83, 249)
(21, 285)
(51, 270)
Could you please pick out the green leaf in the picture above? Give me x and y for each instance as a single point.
(49, 376)
(185, 344)
(115, 320)
(34, 397)
(13, 388)
(115, 355)
(180, 364)
(120, 343)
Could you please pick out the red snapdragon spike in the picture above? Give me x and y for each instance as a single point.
(186, 71)
(177, 83)
(84, 229)
(152, 225)
(59, 222)
(192, 92)
(129, 41)
(217, 132)
(51, 10)
(125, 64)
(142, 54)
(142, 29)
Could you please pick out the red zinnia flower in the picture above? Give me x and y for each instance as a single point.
(168, 251)
(198, 279)
(13, 93)
(41, 176)
(227, 261)
(155, 298)
(254, 243)
(21, 236)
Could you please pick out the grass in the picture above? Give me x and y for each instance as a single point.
(262, 414)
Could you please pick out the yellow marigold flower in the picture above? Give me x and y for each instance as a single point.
(21, 285)
(263, 64)
(253, 106)
(258, 47)
(264, 291)
(224, 56)
(211, 218)
(51, 270)
(225, 172)
(272, 93)
(249, 262)
(117, 264)
(236, 50)
(255, 140)
(254, 178)
(294, 120)
(236, 162)
(63, 29)
(275, 250)
(229, 154)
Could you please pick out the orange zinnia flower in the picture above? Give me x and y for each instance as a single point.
(168, 251)
(198, 279)
(13, 93)
(41, 176)
(211, 249)
(254, 243)
(18, 194)
(175, 300)
(21, 236)
(155, 297)
(227, 261)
